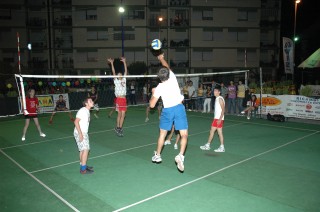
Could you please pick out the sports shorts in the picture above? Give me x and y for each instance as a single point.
(121, 104)
(84, 144)
(215, 123)
(176, 115)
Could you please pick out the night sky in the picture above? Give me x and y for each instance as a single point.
(307, 25)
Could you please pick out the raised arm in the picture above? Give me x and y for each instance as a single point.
(123, 60)
(110, 60)
(163, 61)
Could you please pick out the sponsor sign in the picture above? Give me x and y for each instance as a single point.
(290, 106)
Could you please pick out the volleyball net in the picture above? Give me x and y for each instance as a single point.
(75, 88)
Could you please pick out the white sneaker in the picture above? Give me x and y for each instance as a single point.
(242, 112)
(147, 119)
(167, 142)
(42, 135)
(220, 149)
(23, 138)
(179, 160)
(248, 117)
(205, 147)
(156, 158)
(175, 146)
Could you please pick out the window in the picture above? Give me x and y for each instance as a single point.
(202, 15)
(207, 15)
(239, 35)
(247, 15)
(136, 14)
(91, 14)
(202, 55)
(212, 34)
(92, 56)
(5, 14)
(246, 55)
(136, 55)
(97, 35)
(128, 32)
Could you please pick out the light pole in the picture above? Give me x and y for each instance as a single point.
(294, 34)
(121, 11)
(160, 19)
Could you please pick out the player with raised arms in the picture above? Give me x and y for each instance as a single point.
(120, 91)
(173, 111)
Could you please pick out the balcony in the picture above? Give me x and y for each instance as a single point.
(61, 2)
(63, 21)
(37, 22)
(176, 3)
(179, 43)
(179, 63)
(38, 64)
(179, 22)
(39, 44)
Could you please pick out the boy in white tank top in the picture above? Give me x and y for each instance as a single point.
(217, 124)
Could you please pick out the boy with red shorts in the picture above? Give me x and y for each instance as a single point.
(120, 91)
(217, 124)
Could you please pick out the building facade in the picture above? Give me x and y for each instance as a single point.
(198, 36)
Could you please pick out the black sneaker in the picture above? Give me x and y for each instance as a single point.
(121, 132)
(87, 171)
(90, 168)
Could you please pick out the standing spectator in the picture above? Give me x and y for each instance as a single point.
(240, 95)
(145, 93)
(232, 97)
(93, 94)
(192, 96)
(200, 98)
(224, 90)
(185, 95)
(213, 98)
(207, 101)
(132, 95)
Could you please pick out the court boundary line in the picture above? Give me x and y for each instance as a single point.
(269, 125)
(212, 173)
(40, 182)
(71, 136)
(116, 152)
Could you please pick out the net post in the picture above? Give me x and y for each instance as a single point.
(260, 92)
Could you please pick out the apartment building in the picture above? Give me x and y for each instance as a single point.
(76, 37)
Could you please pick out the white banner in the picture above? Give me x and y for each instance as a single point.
(47, 103)
(288, 55)
(290, 106)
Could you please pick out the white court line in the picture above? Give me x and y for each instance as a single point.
(112, 153)
(269, 125)
(66, 137)
(40, 182)
(212, 173)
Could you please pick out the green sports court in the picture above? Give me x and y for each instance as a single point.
(267, 166)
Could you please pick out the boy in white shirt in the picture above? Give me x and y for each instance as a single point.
(217, 124)
(120, 91)
(173, 111)
(81, 136)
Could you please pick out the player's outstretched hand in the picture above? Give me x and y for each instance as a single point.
(123, 59)
(161, 56)
(110, 60)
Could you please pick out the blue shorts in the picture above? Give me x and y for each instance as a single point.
(176, 114)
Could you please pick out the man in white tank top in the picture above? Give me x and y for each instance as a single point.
(217, 124)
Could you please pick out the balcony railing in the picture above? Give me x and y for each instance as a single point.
(63, 21)
(37, 22)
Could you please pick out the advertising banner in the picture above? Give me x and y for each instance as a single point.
(47, 103)
(290, 106)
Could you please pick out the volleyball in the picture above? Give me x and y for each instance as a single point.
(156, 44)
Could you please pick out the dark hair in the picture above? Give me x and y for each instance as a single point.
(255, 97)
(60, 95)
(218, 88)
(163, 74)
(85, 101)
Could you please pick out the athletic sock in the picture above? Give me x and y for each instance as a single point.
(83, 167)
